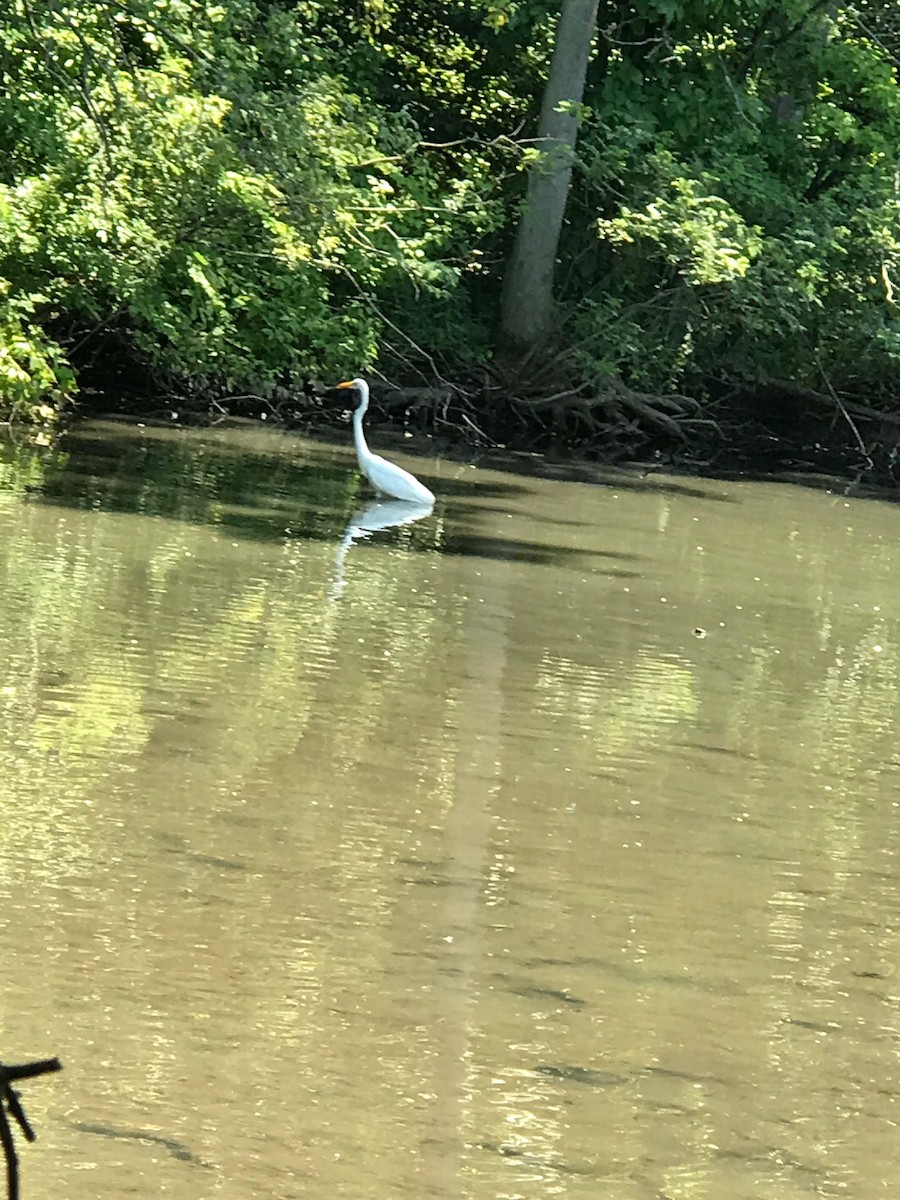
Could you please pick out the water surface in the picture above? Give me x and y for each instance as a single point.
(544, 846)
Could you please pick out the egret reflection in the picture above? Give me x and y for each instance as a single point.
(383, 514)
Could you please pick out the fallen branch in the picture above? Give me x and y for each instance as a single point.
(843, 409)
(9, 1104)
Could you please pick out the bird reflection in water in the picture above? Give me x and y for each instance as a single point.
(383, 514)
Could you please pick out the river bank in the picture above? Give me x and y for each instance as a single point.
(778, 432)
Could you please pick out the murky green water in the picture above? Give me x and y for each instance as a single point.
(546, 846)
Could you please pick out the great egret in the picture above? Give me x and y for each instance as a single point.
(384, 476)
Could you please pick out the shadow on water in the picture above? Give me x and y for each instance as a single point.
(232, 481)
(642, 479)
(150, 1137)
(536, 553)
(668, 479)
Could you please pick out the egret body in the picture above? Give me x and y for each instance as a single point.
(385, 477)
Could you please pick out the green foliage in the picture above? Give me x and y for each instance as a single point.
(741, 169)
(199, 181)
(232, 195)
(701, 237)
(35, 379)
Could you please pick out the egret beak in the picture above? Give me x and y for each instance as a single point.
(348, 384)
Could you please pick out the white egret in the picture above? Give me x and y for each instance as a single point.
(384, 476)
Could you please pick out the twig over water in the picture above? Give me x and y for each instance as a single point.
(11, 1107)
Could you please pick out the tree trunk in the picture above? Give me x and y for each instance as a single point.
(526, 311)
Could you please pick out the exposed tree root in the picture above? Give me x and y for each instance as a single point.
(603, 418)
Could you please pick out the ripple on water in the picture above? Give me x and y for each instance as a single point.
(481, 874)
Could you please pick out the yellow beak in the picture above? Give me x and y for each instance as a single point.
(349, 383)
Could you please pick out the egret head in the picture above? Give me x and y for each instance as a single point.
(362, 389)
